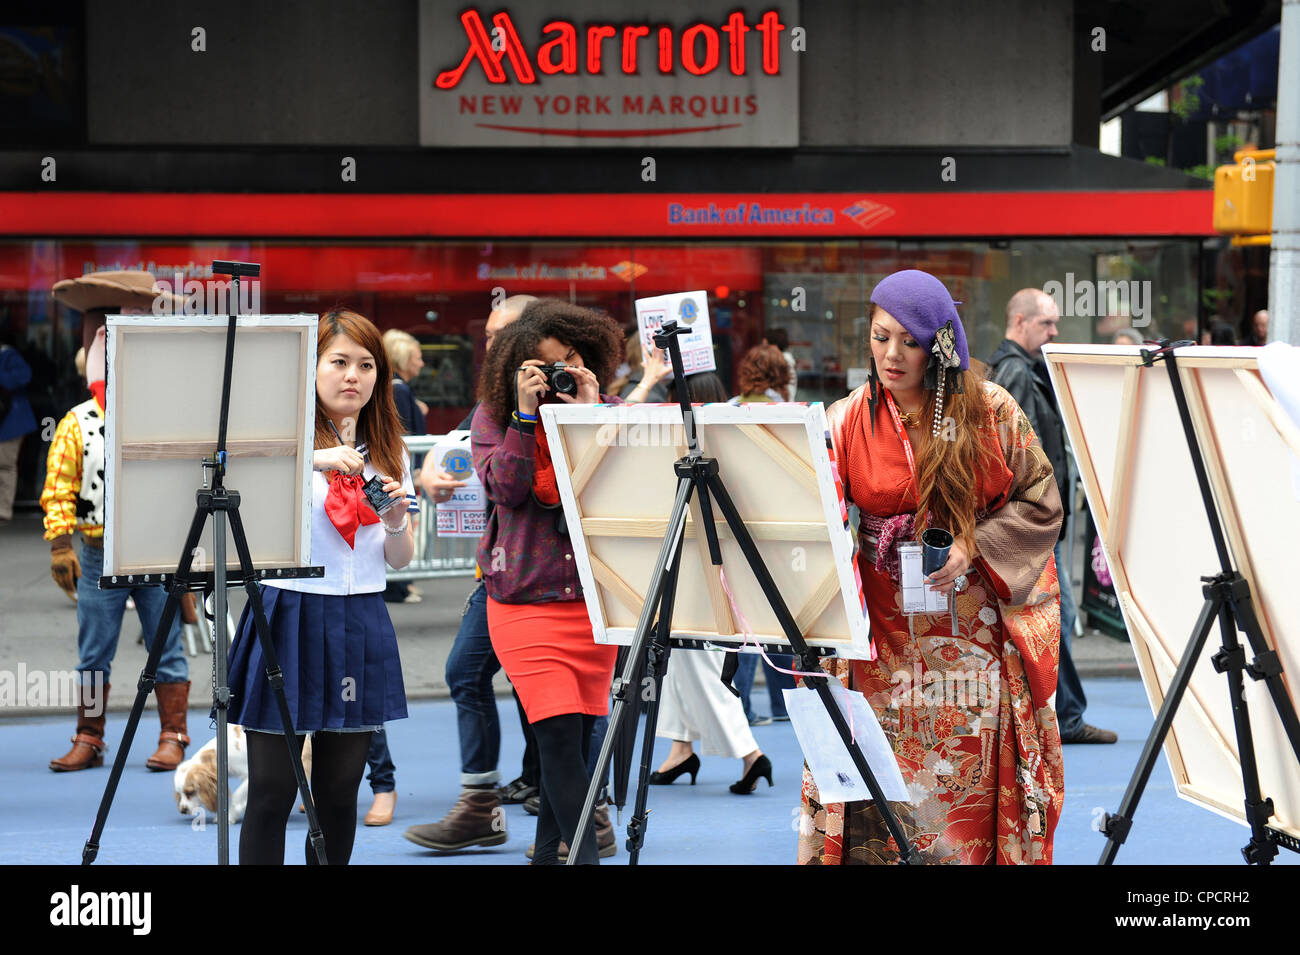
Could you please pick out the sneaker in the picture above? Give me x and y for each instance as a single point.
(1088, 733)
(757, 720)
(783, 718)
(516, 791)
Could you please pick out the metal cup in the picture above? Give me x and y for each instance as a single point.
(935, 544)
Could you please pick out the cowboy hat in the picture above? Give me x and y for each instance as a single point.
(113, 290)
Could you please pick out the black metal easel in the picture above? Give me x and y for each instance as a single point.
(699, 475)
(220, 503)
(1228, 598)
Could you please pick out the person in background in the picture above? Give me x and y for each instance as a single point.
(1219, 333)
(779, 338)
(406, 360)
(16, 422)
(476, 818)
(73, 501)
(705, 388)
(1018, 366)
(1128, 336)
(1258, 334)
(764, 376)
(646, 370)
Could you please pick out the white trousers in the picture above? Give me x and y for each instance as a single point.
(696, 706)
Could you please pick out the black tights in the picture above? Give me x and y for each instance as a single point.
(338, 761)
(563, 743)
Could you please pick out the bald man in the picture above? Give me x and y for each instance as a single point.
(1018, 366)
(477, 818)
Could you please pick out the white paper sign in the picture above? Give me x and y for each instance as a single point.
(685, 308)
(465, 515)
(833, 769)
(918, 597)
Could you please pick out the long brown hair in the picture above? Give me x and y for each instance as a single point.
(379, 425)
(950, 468)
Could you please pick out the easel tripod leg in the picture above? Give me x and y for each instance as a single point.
(656, 670)
(672, 542)
(1116, 827)
(906, 853)
(145, 685)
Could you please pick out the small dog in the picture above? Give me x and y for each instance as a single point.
(195, 780)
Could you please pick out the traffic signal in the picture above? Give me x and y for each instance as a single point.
(1243, 194)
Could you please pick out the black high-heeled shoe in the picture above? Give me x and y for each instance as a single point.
(691, 764)
(762, 767)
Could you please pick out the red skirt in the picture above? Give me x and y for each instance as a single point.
(551, 657)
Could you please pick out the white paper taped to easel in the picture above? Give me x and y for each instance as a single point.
(830, 763)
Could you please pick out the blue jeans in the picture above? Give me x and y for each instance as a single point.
(597, 741)
(99, 622)
(776, 682)
(1070, 699)
(380, 760)
(470, 669)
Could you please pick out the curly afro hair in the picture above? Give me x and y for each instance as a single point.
(594, 335)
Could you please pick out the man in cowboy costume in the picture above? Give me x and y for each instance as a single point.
(73, 502)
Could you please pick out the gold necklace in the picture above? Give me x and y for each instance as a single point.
(910, 419)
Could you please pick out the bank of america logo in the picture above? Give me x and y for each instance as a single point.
(868, 214)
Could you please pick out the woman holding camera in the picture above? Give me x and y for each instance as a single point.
(964, 698)
(536, 613)
(332, 635)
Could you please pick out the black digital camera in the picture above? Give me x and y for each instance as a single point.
(377, 496)
(559, 379)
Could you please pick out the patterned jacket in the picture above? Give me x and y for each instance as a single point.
(73, 498)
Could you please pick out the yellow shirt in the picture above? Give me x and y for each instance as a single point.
(63, 474)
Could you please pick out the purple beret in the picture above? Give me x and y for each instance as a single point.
(922, 305)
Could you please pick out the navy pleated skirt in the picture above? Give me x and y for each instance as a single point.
(339, 658)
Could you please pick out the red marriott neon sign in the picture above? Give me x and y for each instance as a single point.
(698, 48)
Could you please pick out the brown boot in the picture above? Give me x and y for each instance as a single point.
(606, 841)
(173, 701)
(477, 819)
(88, 746)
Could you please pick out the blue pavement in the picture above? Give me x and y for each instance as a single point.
(46, 818)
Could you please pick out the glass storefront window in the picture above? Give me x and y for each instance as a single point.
(442, 292)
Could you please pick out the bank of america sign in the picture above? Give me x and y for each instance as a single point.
(590, 73)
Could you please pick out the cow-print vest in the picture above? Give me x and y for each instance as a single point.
(90, 496)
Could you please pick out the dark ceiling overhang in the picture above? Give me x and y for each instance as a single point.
(1151, 44)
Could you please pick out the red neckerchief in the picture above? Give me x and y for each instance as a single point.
(97, 388)
(347, 507)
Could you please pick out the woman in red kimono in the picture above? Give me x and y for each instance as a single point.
(967, 705)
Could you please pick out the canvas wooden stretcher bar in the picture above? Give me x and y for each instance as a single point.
(614, 468)
(1124, 426)
(164, 406)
